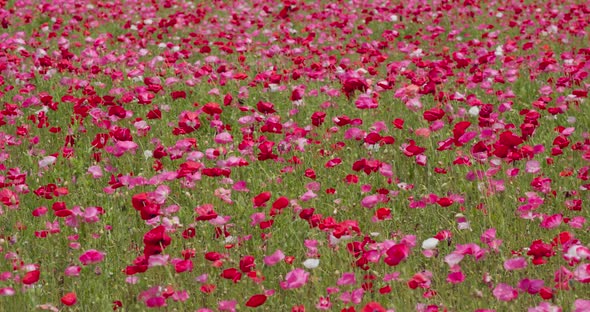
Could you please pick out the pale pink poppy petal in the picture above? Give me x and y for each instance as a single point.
(275, 258)
(515, 264)
(581, 305)
(295, 279)
(505, 292)
(533, 167)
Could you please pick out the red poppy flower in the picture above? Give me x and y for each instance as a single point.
(256, 301)
(31, 277)
(261, 199)
(69, 299)
(373, 307)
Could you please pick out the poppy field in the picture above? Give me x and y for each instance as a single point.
(294, 155)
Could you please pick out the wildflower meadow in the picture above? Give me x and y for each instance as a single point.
(349, 155)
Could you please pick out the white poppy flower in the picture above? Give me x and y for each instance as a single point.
(311, 263)
(430, 243)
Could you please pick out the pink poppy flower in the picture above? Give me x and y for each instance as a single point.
(275, 258)
(295, 279)
(515, 264)
(505, 292)
(91, 256)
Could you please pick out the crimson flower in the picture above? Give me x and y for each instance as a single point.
(397, 254)
(261, 199)
(69, 299)
(538, 250)
(373, 307)
(31, 277)
(256, 301)
(157, 237)
(350, 85)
